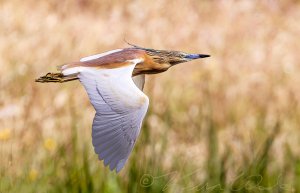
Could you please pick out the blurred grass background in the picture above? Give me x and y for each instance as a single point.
(229, 123)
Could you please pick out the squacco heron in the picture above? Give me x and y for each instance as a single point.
(114, 81)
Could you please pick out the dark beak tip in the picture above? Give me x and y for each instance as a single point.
(203, 56)
(196, 56)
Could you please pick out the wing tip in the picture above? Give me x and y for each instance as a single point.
(109, 163)
(120, 165)
(117, 167)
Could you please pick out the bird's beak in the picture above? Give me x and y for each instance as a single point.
(195, 56)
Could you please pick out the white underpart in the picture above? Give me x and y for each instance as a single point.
(99, 55)
(120, 109)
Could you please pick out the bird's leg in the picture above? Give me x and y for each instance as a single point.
(55, 77)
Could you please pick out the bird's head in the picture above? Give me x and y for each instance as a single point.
(170, 57)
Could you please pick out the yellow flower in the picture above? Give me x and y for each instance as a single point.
(50, 144)
(33, 174)
(5, 134)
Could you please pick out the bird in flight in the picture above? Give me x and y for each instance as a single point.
(114, 82)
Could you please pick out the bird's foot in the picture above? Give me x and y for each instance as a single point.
(55, 77)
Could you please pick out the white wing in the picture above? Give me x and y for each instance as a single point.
(120, 108)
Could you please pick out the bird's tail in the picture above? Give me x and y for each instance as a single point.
(56, 77)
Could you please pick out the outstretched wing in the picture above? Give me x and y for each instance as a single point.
(120, 108)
